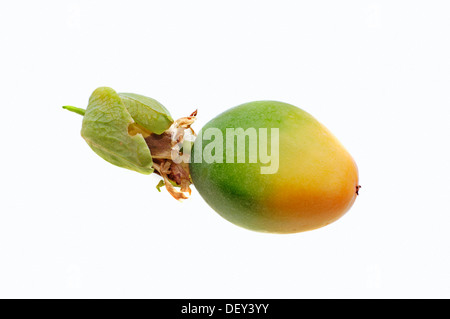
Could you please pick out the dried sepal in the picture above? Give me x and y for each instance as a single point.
(169, 161)
(164, 170)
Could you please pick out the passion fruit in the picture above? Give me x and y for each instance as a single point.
(300, 179)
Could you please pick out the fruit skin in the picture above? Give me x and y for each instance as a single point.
(315, 184)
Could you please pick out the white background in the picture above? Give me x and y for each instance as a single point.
(376, 73)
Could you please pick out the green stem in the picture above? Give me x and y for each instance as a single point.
(160, 184)
(75, 109)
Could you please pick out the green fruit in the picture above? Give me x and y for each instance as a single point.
(302, 178)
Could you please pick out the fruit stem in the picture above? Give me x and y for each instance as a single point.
(74, 109)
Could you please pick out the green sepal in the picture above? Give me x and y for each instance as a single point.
(147, 112)
(105, 129)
